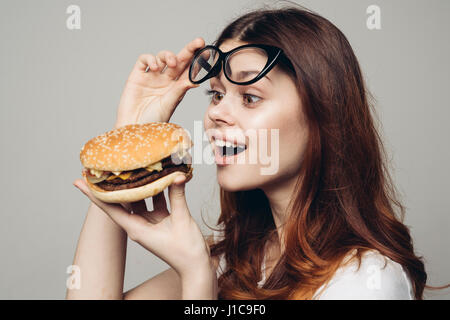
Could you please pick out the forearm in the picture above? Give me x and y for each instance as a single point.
(100, 256)
(199, 286)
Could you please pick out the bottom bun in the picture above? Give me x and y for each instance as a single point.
(139, 193)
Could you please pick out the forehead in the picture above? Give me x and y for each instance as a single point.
(231, 44)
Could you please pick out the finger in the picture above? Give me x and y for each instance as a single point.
(164, 58)
(177, 198)
(130, 223)
(174, 96)
(159, 202)
(147, 62)
(139, 207)
(184, 57)
(161, 64)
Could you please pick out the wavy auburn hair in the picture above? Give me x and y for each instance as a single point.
(344, 197)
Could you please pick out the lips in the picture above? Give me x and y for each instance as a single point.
(229, 139)
(226, 152)
(227, 146)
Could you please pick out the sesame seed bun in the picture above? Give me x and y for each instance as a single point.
(132, 147)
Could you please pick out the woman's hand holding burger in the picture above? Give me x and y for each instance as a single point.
(152, 96)
(174, 237)
(149, 96)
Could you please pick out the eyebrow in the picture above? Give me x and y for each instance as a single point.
(243, 74)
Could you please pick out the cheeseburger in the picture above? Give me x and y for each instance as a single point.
(136, 161)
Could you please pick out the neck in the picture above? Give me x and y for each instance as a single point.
(279, 195)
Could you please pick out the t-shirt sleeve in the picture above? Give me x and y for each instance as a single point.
(378, 278)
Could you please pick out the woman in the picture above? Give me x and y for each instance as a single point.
(323, 226)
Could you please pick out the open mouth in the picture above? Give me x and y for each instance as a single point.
(226, 148)
(230, 151)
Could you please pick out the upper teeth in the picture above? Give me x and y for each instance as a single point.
(223, 143)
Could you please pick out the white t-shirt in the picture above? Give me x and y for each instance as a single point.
(378, 278)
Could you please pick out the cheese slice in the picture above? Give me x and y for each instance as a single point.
(123, 176)
(111, 177)
(154, 166)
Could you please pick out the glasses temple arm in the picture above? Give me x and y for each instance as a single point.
(204, 64)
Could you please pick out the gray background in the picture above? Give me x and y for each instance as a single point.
(61, 87)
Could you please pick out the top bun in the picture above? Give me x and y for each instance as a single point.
(134, 146)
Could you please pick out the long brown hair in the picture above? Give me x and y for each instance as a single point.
(344, 198)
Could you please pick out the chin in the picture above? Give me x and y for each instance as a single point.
(231, 188)
(234, 183)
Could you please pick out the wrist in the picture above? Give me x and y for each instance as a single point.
(199, 284)
(199, 288)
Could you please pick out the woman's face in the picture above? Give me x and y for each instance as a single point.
(267, 117)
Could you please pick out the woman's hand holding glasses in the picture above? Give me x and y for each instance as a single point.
(156, 85)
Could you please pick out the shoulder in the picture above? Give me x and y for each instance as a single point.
(378, 277)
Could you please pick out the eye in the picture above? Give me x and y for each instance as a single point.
(213, 94)
(248, 99)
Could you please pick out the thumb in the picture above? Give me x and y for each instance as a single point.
(177, 197)
(174, 96)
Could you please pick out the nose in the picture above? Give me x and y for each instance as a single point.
(221, 114)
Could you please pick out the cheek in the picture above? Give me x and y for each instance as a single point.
(279, 151)
(292, 139)
(292, 148)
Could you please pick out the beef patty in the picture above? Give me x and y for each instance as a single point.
(140, 177)
(152, 176)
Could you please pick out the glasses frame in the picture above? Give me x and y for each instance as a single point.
(273, 54)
